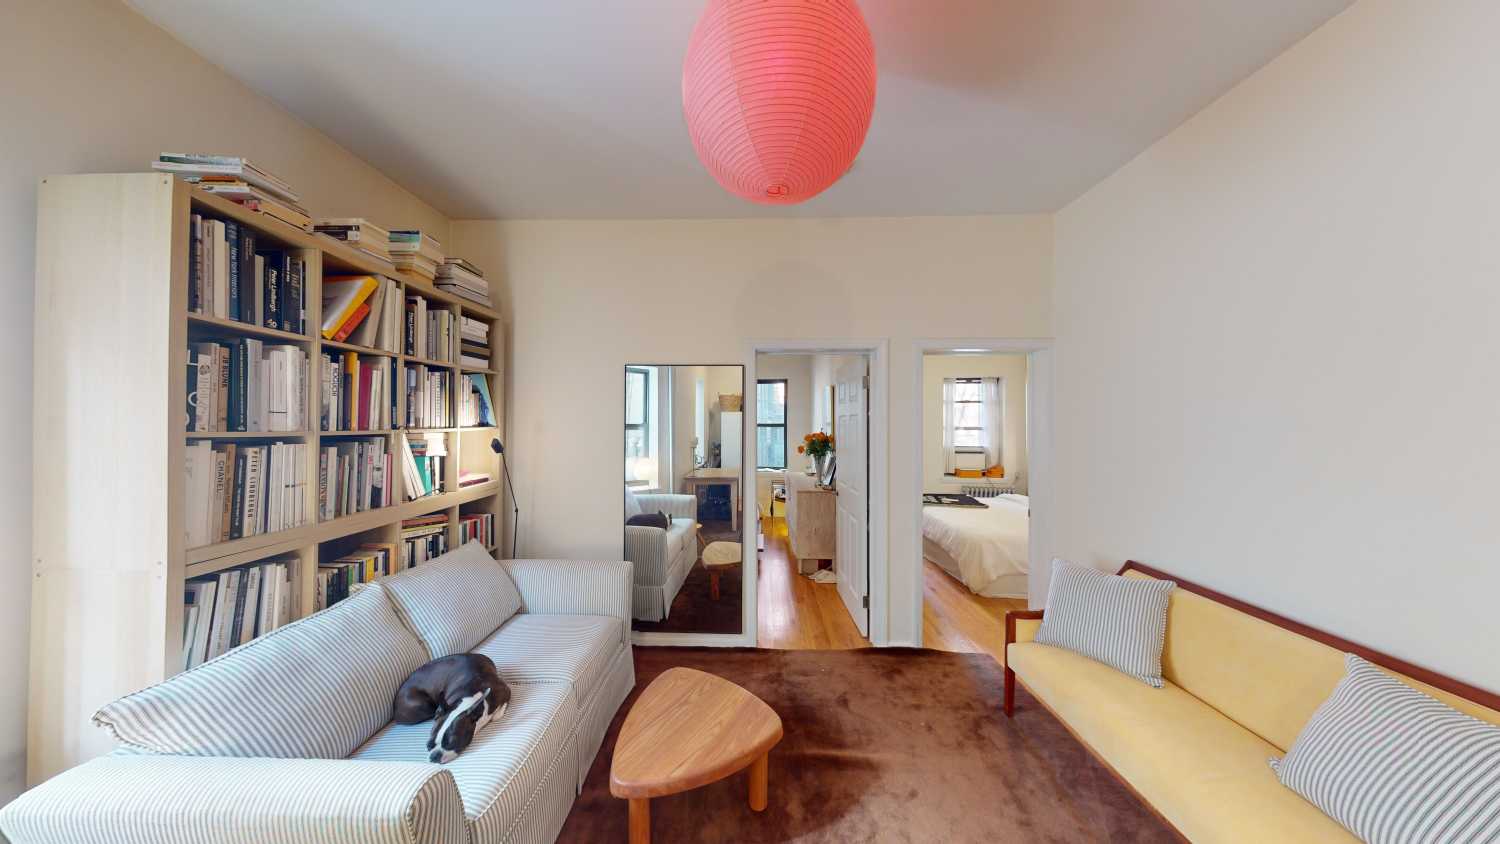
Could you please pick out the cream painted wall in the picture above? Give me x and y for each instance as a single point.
(937, 367)
(586, 296)
(797, 370)
(1278, 368)
(91, 86)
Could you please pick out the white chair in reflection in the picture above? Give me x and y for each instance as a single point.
(662, 558)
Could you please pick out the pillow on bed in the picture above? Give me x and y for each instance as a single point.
(1119, 621)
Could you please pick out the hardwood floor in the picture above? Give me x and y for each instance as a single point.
(955, 619)
(794, 612)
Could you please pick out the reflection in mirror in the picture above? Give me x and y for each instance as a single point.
(683, 454)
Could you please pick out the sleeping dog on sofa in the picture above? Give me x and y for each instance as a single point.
(461, 693)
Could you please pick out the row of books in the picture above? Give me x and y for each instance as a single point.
(430, 334)
(475, 409)
(417, 254)
(357, 394)
(423, 538)
(236, 490)
(245, 385)
(429, 394)
(230, 279)
(229, 608)
(425, 465)
(474, 343)
(465, 280)
(356, 232)
(353, 476)
(478, 527)
(344, 576)
(362, 310)
(238, 180)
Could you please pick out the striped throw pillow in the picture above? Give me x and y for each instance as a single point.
(1119, 621)
(1394, 765)
(454, 602)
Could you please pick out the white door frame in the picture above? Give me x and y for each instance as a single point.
(1039, 488)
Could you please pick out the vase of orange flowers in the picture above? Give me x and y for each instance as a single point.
(819, 447)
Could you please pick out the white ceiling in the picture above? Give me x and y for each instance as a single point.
(572, 109)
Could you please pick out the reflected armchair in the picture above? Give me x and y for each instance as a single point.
(662, 558)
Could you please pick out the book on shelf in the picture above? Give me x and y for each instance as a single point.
(475, 409)
(344, 303)
(418, 266)
(229, 608)
(281, 302)
(353, 476)
(357, 232)
(244, 385)
(234, 490)
(461, 278)
(429, 334)
(428, 396)
(423, 538)
(221, 268)
(468, 479)
(416, 242)
(249, 196)
(188, 165)
(340, 578)
(424, 464)
(479, 526)
(357, 394)
(461, 264)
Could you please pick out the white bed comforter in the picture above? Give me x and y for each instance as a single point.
(987, 543)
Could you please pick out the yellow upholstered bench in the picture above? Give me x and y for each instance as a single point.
(1239, 685)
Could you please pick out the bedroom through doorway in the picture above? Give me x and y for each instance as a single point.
(975, 506)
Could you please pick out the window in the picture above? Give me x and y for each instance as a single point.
(968, 425)
(770, 423)
(637, 417)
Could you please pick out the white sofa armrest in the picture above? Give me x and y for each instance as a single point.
(646, 548)
(575, 587)
(674, 506)
(229, 800)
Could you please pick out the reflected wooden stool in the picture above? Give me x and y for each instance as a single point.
(718, 557)
(687, 729)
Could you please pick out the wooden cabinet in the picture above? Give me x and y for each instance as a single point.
(811, 520)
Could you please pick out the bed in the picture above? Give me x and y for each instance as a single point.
(985, 548)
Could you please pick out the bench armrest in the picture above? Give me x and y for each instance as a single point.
(1020, 626)
(575, 587)
(226, 800)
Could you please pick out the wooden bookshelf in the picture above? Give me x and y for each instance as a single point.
(109, 534)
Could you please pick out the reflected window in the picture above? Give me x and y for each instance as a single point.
(637, 419)
(770, 431)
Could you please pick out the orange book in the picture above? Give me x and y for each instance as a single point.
(968, 473)
(352, 323)
(995, 472)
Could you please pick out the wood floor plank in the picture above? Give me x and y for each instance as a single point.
(958, 620)
(793, 612)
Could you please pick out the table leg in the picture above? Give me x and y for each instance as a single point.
(713, 585)
(760, 773)
(640, 820)
(734, 505)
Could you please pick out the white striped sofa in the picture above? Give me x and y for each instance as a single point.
(662, 558)
(289, 737)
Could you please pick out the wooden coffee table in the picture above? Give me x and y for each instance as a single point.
(690, 729)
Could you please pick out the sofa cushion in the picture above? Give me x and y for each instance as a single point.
(632, 504)
(1394, 765)
(453, 602)
(1118, 621)
(1204, 773)
(572, 649)
(509, 759)
(316, 688)
(679, 534)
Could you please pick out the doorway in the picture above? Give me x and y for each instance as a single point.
(982, 526)
(820, 574)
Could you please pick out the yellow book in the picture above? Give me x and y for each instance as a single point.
(342, 296)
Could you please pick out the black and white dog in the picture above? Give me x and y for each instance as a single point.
(461, 693)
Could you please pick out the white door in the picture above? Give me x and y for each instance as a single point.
(851, 565)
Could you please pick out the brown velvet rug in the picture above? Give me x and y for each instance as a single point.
(692, 611)
(881, 745)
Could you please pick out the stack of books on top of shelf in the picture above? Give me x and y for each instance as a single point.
(228, 609)
(475, 409)
(423, 538)
(353, 476)
(474, 343)
(357, 232)
(480, 527)
(416, 254)
(462, 278)
(237, 490)
(237, 180)
(343, 577)
(245, 385)
(363, 310)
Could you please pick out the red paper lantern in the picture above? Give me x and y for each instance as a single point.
(778, 94)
